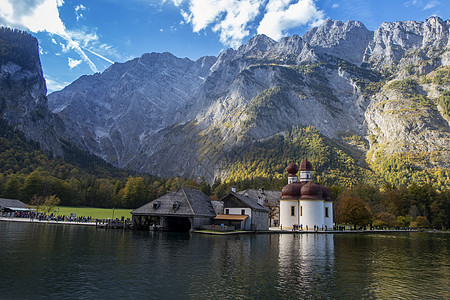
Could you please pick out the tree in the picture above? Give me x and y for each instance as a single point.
(37, 202)
(34, 185)
(422, 222)
(404, 221)
(12, 187)
(134, 193)
(49, 203)
(384, 219)
(352, 210)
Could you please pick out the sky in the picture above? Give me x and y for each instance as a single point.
(82, 37)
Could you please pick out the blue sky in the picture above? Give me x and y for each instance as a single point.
(79, 37)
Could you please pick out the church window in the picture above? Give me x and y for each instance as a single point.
(326, 212)
(301, 211)
(292, 210)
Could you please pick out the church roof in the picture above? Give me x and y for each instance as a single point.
(180, 202)
(306, 165)
(292, 191)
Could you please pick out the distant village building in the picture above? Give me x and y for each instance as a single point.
(13, 205)
(304, 204)
(181, 210)
(270, 199)
(243, 212)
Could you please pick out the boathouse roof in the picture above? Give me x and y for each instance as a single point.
(12, 204)
(183, 201)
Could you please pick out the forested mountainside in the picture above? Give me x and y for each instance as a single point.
(379, 98)
(369, 109)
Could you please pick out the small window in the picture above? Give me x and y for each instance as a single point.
(227, 211)
(156, 204)
(176, 205)
(301, 211)
(242, 211)
(326, 212)
(292, 210)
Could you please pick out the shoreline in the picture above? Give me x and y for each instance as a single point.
(34, 221)
(272, 230)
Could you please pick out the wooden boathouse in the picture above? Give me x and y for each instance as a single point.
(183, 209)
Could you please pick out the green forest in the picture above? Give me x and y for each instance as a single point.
(393, 193)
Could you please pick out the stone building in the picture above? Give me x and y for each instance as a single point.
(270, 199)
(243, 212)
(303, 203)
(183, 209)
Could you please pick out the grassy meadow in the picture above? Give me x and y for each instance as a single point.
(95, 213)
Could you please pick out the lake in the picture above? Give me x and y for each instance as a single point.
(63, 261)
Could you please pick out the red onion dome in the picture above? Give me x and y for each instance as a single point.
(306, 165)
(326, 194)
(292, 169)
(311, 191)
(291, 191)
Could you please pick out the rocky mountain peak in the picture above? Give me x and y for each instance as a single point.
(257, 46)
(347, 40)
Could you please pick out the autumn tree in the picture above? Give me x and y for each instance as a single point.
(134, 194)
(50, 202)
(352, 210)
(37, 202)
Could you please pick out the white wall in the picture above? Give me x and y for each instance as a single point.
(313, 213)
(286, 220)
(328, 221)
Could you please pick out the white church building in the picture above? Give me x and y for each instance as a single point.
(304, 204)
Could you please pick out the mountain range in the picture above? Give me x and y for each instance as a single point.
(380, 97)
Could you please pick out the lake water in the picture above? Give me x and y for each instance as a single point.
(57, 261)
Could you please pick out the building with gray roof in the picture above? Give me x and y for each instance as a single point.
(12, 205)
(270, 199)
(180, 210)
(243, 213)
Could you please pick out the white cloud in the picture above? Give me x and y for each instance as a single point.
(43, 16)
(335, 5)
(73, 62)
(54, 41)
(233, 19)
(53, 85)
(229, 18)
(78, 11)
(431, 4)
(282, 15)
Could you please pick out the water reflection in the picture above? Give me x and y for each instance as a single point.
(306, 262)
(48, 261)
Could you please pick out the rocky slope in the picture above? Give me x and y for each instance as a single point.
(23, 101)
(170, 116)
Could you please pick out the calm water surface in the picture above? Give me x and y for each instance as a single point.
(56, 261)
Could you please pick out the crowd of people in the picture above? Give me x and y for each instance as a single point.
(39, 216)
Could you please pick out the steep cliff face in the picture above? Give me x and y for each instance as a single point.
(23, 101)
(171, 116)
